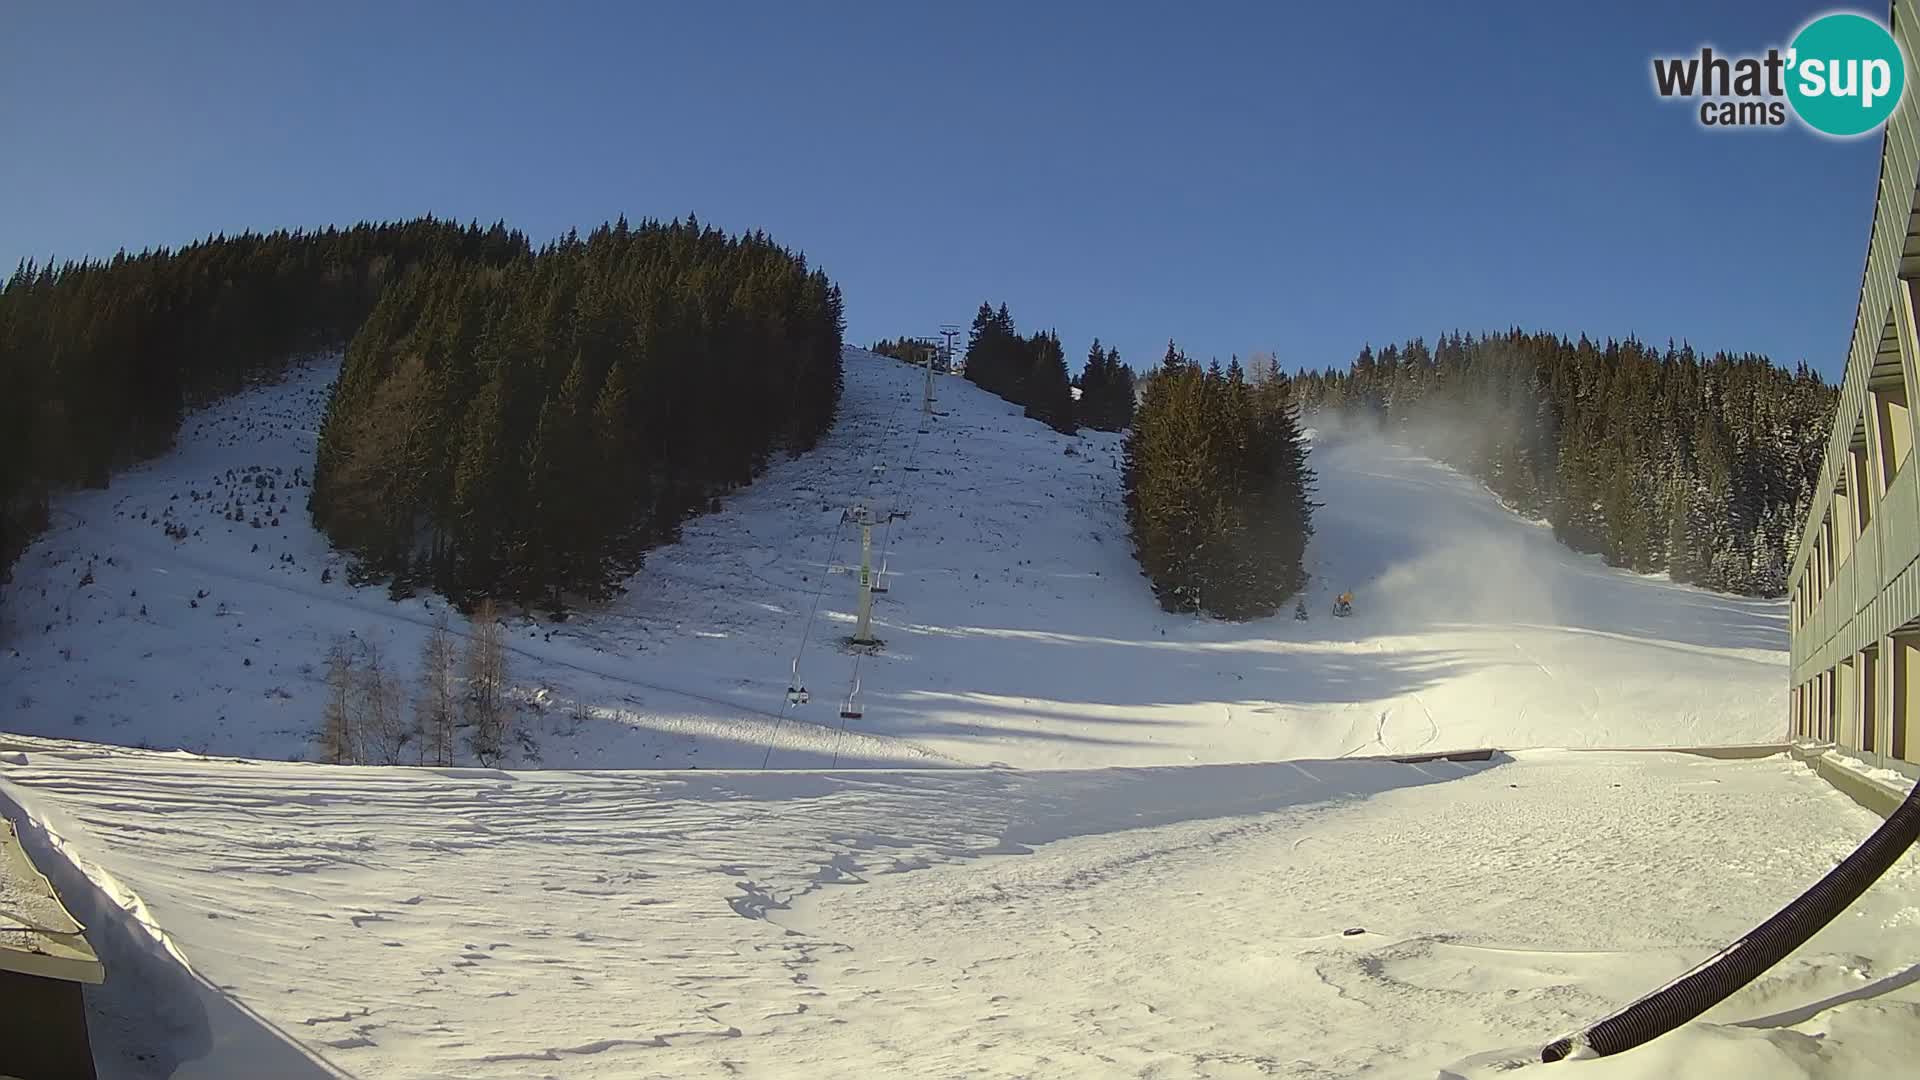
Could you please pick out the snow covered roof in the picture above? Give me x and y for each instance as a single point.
(37, 934)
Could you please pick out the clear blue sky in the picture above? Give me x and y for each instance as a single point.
(1295, 177)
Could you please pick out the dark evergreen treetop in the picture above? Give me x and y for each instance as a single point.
(1106, 390)
(1031, 371)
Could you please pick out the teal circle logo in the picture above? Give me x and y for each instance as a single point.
(1845, 74)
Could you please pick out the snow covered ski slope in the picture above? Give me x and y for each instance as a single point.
(1017, 628)
(1175, 921)
(1068, 834)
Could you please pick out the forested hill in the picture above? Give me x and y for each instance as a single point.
(509, 421)
(1701, 466)
(100, 358)
(527, 431)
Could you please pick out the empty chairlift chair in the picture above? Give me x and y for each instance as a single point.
(796, 694)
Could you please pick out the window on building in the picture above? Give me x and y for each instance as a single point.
(1869, 698)
(1841, 524)
(1896, 425)
(1831, 554)
(1860, 483)
(1903, 705)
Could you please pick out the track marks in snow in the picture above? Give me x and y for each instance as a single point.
(556, 1053)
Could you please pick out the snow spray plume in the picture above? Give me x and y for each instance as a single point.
(1446, 567)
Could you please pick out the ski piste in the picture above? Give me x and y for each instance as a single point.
(1189, 750)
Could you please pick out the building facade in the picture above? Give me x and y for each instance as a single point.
(1855, 585)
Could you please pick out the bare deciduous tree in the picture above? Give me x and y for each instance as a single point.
(486, 684)
(435, 710)
(1262, 367)
(337, 723)
(382, 718)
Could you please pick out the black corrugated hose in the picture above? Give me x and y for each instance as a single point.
(1769, 943)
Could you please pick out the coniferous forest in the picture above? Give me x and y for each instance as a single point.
(1028, 371)
(1106, 390)
(508, 422)
(526, 431)
(1218, 489)
(1701, 466)
(99, 359)
(907, 350)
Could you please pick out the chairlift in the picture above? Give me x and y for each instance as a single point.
(851, 710)
(796, 694)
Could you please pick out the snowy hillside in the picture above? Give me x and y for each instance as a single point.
(1016, 626)
(1190, 861)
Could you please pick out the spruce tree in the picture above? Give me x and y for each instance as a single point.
(1120, 401)
(1047, 389)
(1095, 385)
(1218, 490)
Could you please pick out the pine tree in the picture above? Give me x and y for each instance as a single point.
(1096, 387)
(1047, 389)
(1120, 401)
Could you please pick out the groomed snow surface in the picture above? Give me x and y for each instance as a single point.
(1069, 835)
(1017, 627)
